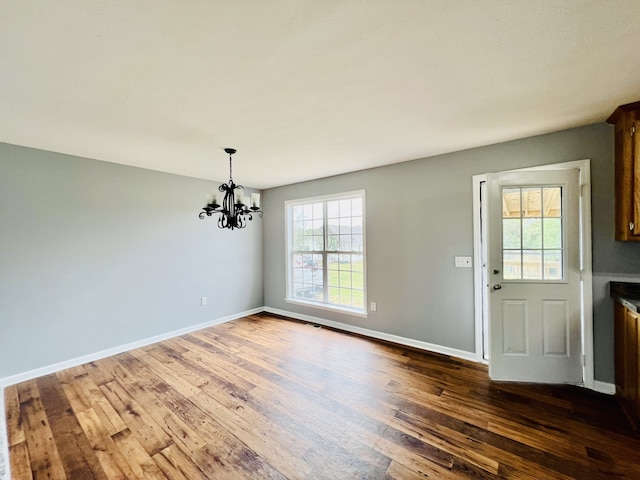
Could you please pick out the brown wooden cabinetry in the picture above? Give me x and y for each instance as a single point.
(627, 360)
(626, 119)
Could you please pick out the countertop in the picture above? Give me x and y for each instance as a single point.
(626, 293)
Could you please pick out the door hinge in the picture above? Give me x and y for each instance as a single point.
(632, 226)
(633, 130)
(584, 360)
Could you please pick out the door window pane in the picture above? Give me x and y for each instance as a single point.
(553, 264)
(552, 201)
(552, 233)
(531, 202)
(532, 233)
(512, 264)
(532, 264)
(510, 202)
(511, 233)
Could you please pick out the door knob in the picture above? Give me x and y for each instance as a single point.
(497, 286)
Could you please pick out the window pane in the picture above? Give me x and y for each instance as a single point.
(552, 233)
(345, 279)
(308, 243)
(334, 242)
(332, 260)
(318, 242)
(532, 264)
(333, 209)
(317, 210)
(333, 278)
(531, 202)
(334, 295)
(357, 298)
(356, 207)
(345, 243)
(511, 233)
(345, 226)
(345, 297)
(308, 226)
(357, 263)
(510, 202)
(357, 280)
(511, 265)
(552, 198)
(345, 208)
(356, 243)
(553, 265)
(531, 233)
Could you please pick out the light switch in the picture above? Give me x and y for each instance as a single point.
(463, 262)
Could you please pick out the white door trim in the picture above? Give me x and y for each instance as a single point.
(481, 291)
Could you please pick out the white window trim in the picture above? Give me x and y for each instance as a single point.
(321, 305)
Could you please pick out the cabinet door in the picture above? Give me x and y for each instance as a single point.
(635, 189)
(631, 362)
(627, 173)
(619, 319)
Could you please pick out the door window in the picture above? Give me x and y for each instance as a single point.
(532, 233)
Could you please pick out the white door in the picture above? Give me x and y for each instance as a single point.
(534, 276)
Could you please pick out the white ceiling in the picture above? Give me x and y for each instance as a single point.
(305, 88)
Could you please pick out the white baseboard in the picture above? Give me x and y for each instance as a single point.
(604, 387)
(74, 362)
(409, 342)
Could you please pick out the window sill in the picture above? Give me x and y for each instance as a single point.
(332, 308)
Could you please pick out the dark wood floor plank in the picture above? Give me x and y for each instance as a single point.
(268, 397)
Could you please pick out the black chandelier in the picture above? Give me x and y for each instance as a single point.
(235, 209)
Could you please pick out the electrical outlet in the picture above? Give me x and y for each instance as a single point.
(374, 306)
(462, 262)
(203, 301)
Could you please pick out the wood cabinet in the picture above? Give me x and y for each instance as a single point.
(626, 121)
(627, 361)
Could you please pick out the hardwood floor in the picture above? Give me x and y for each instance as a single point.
(265, 397)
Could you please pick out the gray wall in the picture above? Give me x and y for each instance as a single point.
(419, 216)
(95, 255)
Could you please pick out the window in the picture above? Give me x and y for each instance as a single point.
(326, 252)
(532, 237)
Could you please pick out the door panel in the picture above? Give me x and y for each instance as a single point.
(534, 276)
